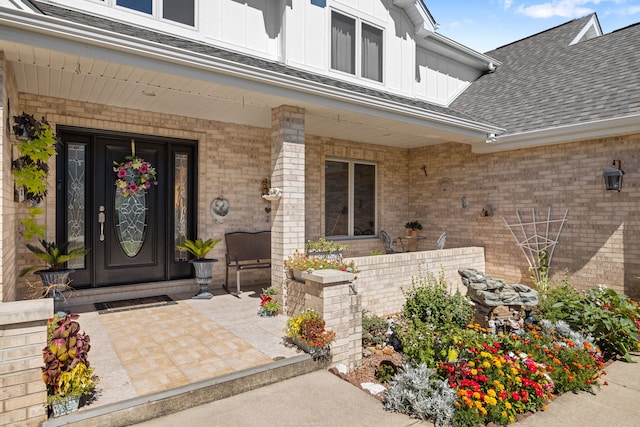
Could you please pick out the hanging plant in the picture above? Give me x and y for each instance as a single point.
(37, 144)
(134, 175)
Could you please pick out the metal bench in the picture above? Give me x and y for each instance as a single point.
(246, 251)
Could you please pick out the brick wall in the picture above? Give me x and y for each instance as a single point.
(8, 291)
(382, 278)
(599, 243)
(23, 335)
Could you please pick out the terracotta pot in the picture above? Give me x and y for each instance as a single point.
(413, 233)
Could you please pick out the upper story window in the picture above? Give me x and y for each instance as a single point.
(349, 198)
(182, 11)
(345, 31)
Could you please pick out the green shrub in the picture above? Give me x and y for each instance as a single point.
(374, 330)
(417, 340)
(430, 300)
(385, 371)
(552, 304)
(612, 319)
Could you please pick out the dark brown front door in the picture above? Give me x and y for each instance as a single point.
(132, 237)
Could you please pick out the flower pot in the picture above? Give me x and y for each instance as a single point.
(314, 351)
(55, 282)
(265, 313)
(65, 406)
(203, 268)
(271, 197)
(413, 233)
(297, 275)
(324, 255)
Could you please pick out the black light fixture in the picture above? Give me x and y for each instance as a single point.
(613, 177)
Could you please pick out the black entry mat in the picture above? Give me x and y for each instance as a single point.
(133, 304)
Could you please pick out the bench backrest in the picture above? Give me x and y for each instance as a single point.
(248, 247)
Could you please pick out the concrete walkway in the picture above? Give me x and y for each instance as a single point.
(322, 399)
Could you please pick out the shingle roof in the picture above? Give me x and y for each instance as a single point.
(228, 55)
(543, 82)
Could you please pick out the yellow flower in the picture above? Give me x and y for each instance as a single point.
(476, 395)
(479, 404)
(482, 411)
(491, 392)
(471, 363)
(486, 364)
(474, 372)
(507, 405)
(511, 419)
(490, 400)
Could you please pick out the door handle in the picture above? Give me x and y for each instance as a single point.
(101, 220)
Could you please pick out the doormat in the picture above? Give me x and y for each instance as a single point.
(133, 304)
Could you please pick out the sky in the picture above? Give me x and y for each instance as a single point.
(484, 25)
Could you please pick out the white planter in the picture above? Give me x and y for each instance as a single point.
(271, 198)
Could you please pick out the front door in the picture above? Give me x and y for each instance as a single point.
(131, 234)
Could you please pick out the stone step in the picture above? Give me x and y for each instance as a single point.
(155, 405)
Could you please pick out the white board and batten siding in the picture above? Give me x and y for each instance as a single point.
(298, 33)
(439, 79)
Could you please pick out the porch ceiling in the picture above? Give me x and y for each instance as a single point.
(47, 72)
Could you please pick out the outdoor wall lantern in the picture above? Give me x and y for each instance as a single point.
(613, 177)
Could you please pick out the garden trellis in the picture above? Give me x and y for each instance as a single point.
(539, 239)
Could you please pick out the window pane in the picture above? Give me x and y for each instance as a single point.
(181, 208)
(139, 5)
(76, 184)
(343, 47)
(364, 203)
(371, 53)
(336, 199)
(178, 11)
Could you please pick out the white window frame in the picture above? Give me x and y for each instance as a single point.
(359, 22)
(351, 199)
(157, 12)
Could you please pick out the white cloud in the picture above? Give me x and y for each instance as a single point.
(507, 4)
(562, 8)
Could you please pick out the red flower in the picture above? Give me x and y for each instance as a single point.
(265, 299)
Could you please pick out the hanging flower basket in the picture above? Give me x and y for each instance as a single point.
(134, 175)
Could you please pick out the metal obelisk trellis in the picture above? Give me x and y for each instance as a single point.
(533, 243)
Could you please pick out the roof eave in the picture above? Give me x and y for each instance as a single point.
(53, 29)
(597, 129)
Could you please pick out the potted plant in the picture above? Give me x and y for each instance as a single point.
(55, 278)
(268, 305)
(299, 262)
(66, 372)
(202, 266)
(413, 227)
(308, 331)
(323, 248)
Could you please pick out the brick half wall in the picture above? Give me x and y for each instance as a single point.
(382, 278)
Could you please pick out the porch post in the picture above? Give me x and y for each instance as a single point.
(287, 173)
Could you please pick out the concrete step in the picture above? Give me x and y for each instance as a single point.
(159, 404)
